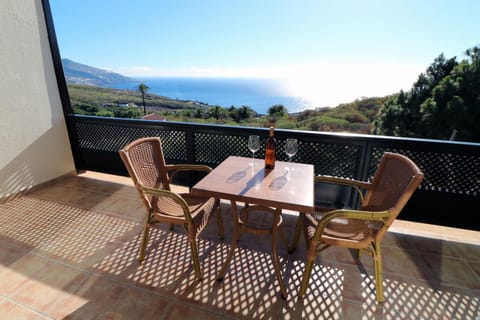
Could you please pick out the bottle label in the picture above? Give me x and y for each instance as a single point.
(269, 159)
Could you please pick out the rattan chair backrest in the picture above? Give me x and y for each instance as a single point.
(145, 163)
(396, 179)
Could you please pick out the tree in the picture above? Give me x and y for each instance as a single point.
(217, 112)
(402, 114)
(242, 113)
(278, 110)
(198, 113)
(444, 100)
(143, 88)
(454, 105)
(245, 113)
(233, 113)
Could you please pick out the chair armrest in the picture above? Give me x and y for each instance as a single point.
(186, 167)
(355, 184)
(174, 196)
(352, 214)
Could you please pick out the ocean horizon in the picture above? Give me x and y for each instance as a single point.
(258, 94)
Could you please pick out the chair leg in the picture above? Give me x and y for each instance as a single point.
(221, 232)
(143, 245)
(196, 260)
(306, 277)
(377, 257)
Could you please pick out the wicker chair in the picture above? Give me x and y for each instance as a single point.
(395, 180)
(146, 165)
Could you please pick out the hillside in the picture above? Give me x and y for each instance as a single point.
(98, 97)
(91, 93)
(78, 73)
(357, 116)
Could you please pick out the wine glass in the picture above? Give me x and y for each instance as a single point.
(291, 148)
(253, 145)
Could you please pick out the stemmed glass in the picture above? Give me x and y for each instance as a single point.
(253, 145)
(291, 148)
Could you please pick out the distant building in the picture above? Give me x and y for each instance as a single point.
(127, 105)
(121, 105)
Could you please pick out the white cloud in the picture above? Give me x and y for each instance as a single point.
(334, 84)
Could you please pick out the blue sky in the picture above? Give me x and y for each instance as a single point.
(349, 48)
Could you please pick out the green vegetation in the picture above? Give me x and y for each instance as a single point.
(353, 117)
(357, 116)
(444, 100)
(99, 97)
(143, 88)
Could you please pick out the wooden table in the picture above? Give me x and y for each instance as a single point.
(236, 180)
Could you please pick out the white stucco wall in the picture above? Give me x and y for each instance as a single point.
(34, 146)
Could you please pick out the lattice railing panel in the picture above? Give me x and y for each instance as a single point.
(214, 148)
(444, 172)
(113, 138)
(331, 159)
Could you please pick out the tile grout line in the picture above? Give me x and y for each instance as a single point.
(25, 306)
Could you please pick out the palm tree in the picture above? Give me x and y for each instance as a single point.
(142, 87)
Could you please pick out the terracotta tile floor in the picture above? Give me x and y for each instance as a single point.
(68, 251)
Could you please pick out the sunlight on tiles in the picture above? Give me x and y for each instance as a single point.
(167, 258)
(324, 294)
(250, 287)
(59, 229)
(212, 255)
(418, 301)
(41, 290)
(80, 260)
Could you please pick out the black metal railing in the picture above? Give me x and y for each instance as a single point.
(449, 194)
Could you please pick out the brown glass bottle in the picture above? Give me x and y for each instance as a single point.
(270, 151)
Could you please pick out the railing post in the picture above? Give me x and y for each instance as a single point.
(190, 144)
(365, 162)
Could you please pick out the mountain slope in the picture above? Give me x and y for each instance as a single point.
(78, 73)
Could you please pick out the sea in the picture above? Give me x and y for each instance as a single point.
(258, 94)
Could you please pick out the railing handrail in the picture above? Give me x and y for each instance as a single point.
(207, 126)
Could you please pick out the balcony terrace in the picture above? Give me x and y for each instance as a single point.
(69, 232)
(69, 247)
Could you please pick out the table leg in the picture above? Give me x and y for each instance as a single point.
(276, 262)
(233, 245)
(274, 233)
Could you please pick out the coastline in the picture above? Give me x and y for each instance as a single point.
(257, 93)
